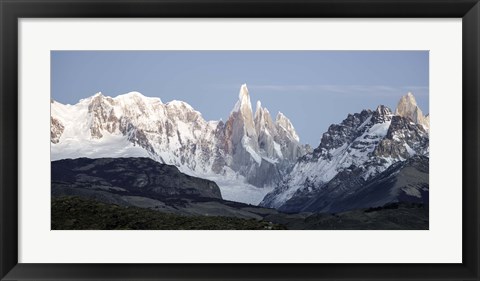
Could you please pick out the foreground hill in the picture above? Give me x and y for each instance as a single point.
(394, 216)
(144, 183)
(75, 213)
(129, 176)
(139, 193)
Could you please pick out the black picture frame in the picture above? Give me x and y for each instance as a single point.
(12, 10)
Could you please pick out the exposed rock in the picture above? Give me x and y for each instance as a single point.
(266, 131)
(284, 124)
(405, 181)
(174, 133)
(407, 107)
(260, 149)
(132, 176)
(56, 130)
(404, 139)
(362, 146)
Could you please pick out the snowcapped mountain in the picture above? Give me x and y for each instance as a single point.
(404, 181)
(362, 146)
(247, 150)
(252, 157)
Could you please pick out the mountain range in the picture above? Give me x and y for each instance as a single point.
(372, 158)
(362, 147)
(247, 150)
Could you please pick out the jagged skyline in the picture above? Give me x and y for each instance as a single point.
(243, 151)
(313, 88)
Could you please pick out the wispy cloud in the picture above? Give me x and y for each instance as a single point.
(377, 90)
(326, 89)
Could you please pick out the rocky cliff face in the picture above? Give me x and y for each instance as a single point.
(277, 139)
(403, 182)
(56, 130)
(131, 176)
(245, 147)
(142, 183)
(266, 132)
(407, 107)
(260, 148)
(362, 146)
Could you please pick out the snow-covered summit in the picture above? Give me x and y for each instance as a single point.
(132, 94)
(179, 104)
(367, 142)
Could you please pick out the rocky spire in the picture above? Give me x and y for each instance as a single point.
(266, 132)
(243, 109)
(259, 116)
(243, 103)
(382, 114)
(407, 107)
(283, 123)
(384, 110)
(263, 120)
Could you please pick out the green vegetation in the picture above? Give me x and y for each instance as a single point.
(75, 213)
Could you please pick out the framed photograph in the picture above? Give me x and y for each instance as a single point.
(239, 140)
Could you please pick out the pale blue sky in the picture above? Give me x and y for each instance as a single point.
(312, 88)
